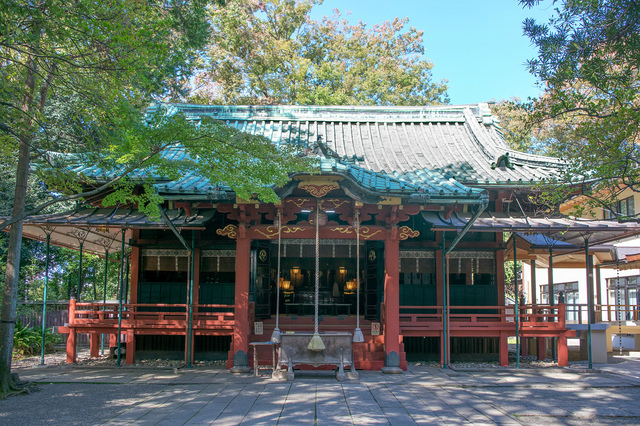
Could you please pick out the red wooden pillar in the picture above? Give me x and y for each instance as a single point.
(130, 347)
(500, 276)
(94, 345)
(135, 272)
(542, 348)
(71, 339)
(392, 302)
(241, 311)
(563, 351)
(504, 349)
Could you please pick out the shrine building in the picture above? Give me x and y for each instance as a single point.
(401, 236)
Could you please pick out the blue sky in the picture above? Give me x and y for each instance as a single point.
(475, 44)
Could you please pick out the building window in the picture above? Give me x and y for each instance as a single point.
(569, 292)
(623, 298)
(624, 207)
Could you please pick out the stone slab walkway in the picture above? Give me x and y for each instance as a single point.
(71, 395)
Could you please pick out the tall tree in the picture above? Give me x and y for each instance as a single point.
(76, 78)
(589, 59)
(272, 52)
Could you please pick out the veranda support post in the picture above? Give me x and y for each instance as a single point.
(241, 309)
(392, 302)
(44, 299)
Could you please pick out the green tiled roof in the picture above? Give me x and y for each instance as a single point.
(436, 152)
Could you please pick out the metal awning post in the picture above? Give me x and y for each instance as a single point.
(515, 296)
(189, 310)
(588, 264)
(119, 337)
(80, 272)
(445, 273)
(44, 299)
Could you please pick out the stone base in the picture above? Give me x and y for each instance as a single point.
(240, 369)
(352, 375)
(392, 370)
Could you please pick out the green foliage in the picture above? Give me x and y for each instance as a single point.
(272, 52)
(589, 59)
(28, 340)
(523, 134)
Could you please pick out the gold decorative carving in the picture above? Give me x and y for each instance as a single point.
(262, 255)
(297, 202)
(342, 230)
(366, 232)
(230, 231)
(404, 232)
(318, 186)
(336, 202)
(318, 191)
(272, 231)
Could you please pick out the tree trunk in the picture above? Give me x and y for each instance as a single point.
(10, 295)
(8, 322)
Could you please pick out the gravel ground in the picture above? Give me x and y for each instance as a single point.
(59, 357)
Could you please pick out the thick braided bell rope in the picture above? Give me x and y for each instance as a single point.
(275, 336)
(357, 334)
(316, 343)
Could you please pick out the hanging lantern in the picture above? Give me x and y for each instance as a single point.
(350, 287)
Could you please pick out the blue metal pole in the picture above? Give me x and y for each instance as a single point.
(44, 299)
(80, 272)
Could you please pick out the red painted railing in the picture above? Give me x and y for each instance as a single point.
(532, 317)
(148, 315)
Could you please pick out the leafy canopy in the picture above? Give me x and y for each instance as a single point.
(76, 79)
(272, 52)
(588, 59)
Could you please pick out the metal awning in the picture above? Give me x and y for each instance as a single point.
(100, 229)
(565, 255)
(565, 229)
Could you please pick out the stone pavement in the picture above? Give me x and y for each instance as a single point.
(70, 395)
